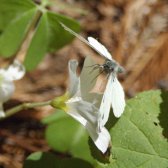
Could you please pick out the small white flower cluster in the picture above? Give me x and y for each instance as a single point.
(14, 72)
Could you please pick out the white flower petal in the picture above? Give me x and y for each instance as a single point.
(102, 139)
(87, 75)
(6, 89)
(87, 114)
(88, 80)
(15, 71)
(74, 86)
(2, 113)
(74, 99)
(78, 117)
(85, 109)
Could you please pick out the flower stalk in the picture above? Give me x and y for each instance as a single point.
(24, 106)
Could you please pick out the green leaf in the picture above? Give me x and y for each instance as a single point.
(48, 36)
(13, 9)
(48, 160)
(59, 114)
(68, 136)
(58, 37)
(14, 34)
(38, 45)
(139, 137)
(45, 2)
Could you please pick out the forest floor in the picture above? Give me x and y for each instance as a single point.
(135, 32)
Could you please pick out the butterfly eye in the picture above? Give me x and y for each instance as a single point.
(120, 69)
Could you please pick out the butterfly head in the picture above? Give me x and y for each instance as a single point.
(120, 69)
(111, 66)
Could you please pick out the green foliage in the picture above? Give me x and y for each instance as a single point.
(38, 46)
(48, 160)
(58, 37)
(25, 17)
(139, 137)
(58, 114)
(14, 34)
(12, 10)
(69, 136)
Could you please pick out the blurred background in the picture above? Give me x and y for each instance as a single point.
(135, 32)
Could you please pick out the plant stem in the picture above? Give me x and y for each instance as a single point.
(24, 106)
(22, 50)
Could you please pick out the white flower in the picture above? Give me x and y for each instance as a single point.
(84, 111)
(14, 72)
(113, 93)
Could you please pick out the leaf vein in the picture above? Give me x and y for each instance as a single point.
(144, 136)
(138, 152)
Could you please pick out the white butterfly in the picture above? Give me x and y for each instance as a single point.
(114, 93)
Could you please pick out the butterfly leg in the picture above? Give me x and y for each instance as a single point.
(97, 75)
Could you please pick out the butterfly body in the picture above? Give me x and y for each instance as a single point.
(111, 66)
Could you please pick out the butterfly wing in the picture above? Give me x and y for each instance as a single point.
(93, 43)
(99, 47)
(113, 95)
(117, 96)
(105, 104)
